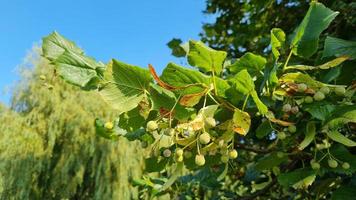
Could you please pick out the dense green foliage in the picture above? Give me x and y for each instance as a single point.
(48, 145)
(252, 127)
(244, 26)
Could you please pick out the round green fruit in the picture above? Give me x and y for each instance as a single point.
(286, 107)
(151, 126)
(292, 128)
(179, 159)
(318, 96)
(345, 165)
(109, 125)
(308, 99)
(199, 160)
(187, 154)
(332, 163)
(233, 154)
(179, 152)
(302, 87)
(314, 165)
(224, 158)
(281, 135)
(204, 138)
(340, 91)
(325, 90)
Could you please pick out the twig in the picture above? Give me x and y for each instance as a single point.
(256, 150)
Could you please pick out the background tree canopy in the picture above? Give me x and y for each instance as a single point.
(48, 145)
(245, 25)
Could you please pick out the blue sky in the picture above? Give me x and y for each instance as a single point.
(133, 31)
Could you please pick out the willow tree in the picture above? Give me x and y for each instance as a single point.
(48, 146)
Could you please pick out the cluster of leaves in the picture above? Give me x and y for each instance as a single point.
(278, 117)
(244, 25)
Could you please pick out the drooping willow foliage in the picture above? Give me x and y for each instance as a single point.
(48, 146)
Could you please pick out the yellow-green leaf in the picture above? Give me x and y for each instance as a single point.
(241, 122)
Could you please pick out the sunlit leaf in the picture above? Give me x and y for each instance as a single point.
(205, 58)
(244, 84)
(278, 38)
(306, 38)
(241, 122)
(290, 178)
(338, 137)
(333, 63)
(55, 45)
(251, 62)
(179, 76)
(125, 85)
(309, 135)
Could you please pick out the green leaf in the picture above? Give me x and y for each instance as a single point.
(263, 129)
(78, 69)
(278, 38)
(165, 99)
(205, 58)
(338, 137)
(299, 77)
(251, 62)
(319, 110)
(161, 97)
(208, 111)
(178, 76)
(271, 160)
(290, 178)
(305, 182)
(71, 63)
(341, 116)
(306, 38)
(344, 193)
(244, 84)
(140, 134)
(125, 85)
(309, 135)
(260, 105)
(176, 46)
(131, 120)
(173, 177)
(333, 63)
(153, 164)
(241, 122)
(338, 47)
(55, 45)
